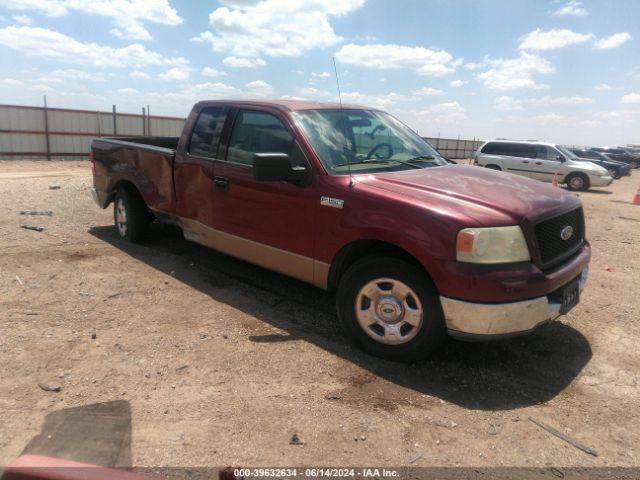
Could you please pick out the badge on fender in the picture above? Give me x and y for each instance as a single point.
(331, 202)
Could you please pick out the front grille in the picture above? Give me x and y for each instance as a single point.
(551, 246)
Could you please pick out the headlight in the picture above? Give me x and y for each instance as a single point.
(492, 245)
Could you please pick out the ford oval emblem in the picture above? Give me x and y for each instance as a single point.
(566, 233)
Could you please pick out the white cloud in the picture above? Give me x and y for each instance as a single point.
(127, 15)
(447, 112)
(52, 45)
(457, 83)
(316, 94)
(212, 72)
(388, 56)
(572, 8)
(382, 101)
(514, 73)
(630, 98)
(602, 87)
(320, 75)
(259, 88)
(22, 19)
(540, 40)
(175, 74)
(73, 75)
(274, 28)
(10, 82)
(241, 62)
(507, 104)
(613, 41)
(138, 75)
(427, 91)
(548, 100)
(553, 118)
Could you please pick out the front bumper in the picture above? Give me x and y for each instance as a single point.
(469, 320)
(600, 181)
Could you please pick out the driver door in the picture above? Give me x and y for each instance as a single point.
(267, 223)
(546, 164)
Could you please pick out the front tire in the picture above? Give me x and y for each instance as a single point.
(391, 309)
(615, 173)
(577, 182)
(131, 216)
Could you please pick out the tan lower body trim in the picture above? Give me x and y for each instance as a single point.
(297, 266)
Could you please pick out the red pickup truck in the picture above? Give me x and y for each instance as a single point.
(350, 199)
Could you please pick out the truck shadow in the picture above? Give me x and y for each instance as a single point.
(487, 376)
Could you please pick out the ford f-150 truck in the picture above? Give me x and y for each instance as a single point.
(351, 200)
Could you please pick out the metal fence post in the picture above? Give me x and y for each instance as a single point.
(148, 120)
(46, 128)
(115, 127)
(458, 148)
(144, 122)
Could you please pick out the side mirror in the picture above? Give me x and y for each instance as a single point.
(561, 158)
(276, 167)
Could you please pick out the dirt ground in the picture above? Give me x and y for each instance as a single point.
(217, 362)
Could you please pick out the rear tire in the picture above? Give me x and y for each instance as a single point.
(391, 309)
(131, 215)
(493, 167)
(577, 182)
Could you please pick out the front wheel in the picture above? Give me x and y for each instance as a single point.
(577, 182)
(391, 309)
(615, 173)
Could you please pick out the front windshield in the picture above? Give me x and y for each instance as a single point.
(364, 141)
(568, 153)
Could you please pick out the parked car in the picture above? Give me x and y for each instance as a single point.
(541, 161)
(616, 169)
(619, 154)
(351, 200)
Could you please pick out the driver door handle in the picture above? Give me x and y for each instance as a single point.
(525, 161)
(538, 163)
(221, 183)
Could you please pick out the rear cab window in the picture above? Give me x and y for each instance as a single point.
(205, 136)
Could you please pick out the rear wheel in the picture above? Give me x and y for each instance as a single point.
(391, 309)
(131, 215)
(577, 182)
(493, 167)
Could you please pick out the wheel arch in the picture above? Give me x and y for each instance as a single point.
(362, 248)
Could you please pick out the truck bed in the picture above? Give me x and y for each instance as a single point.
(147, 162)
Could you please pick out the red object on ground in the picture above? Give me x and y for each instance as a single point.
(36, 467)
(636, 197)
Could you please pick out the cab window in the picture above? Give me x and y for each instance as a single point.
(206, 132)
(257, 132)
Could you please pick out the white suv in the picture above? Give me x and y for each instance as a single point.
(542, 161)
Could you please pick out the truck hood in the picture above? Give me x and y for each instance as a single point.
(489, 197)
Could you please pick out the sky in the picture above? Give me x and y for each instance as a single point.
(564, 71)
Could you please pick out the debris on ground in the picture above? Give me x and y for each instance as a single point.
(607, 268)
(179, 369)
(295, 440)
(562, 436)
(29, 227)
(415, 458)
(54, 187)
(19, 281)
(94, 334)
(491, 430)
(46, 213)
(333, 397)
(50, 388)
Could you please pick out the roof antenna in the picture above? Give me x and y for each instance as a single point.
(344, 133)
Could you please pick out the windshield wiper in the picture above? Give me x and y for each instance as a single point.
(379, 160)
(421, 158)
